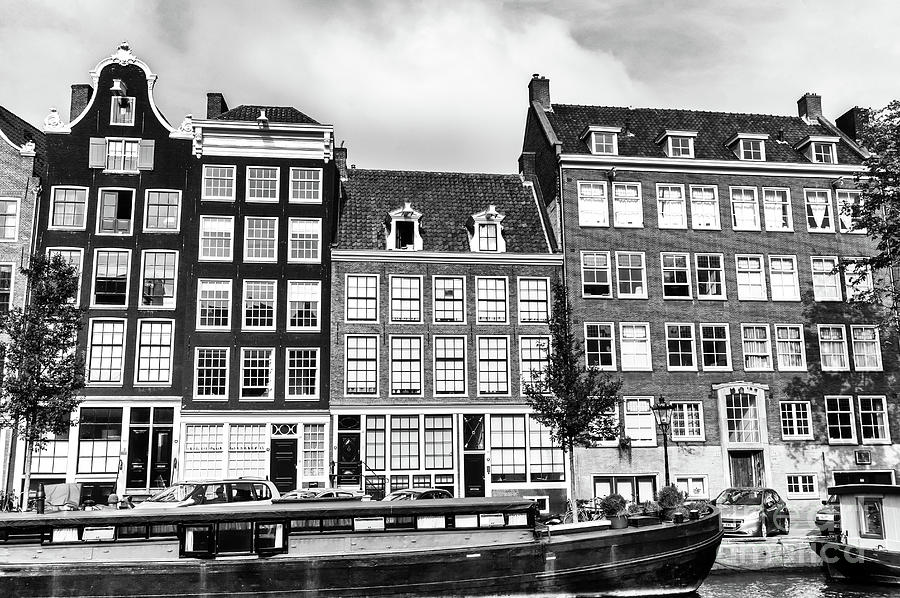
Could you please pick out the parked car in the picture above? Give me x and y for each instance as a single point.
(212, 493)
(303, 494)
(753, 512)
(417, 494)
(828, 518)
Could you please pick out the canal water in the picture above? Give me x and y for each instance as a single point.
(804, 584)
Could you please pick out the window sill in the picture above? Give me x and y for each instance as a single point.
(702, 298)
(779, 230)
(256, 399)
(644, 297)
(794, 438)
(628, 225)
(209, 398)
(291, 329)
(251, 260)
(679, 227)
(797, 299)
(261, 200)
(311, 261)
(450, 323)
(223, 199)
(156, 307)
(106, 171)
(718, 369)
(800, 369)
(301, 398)
(67, 228)
(104, 384)
(847, 369)
(152, 384)
(161, 231)
(881, 441)
(709, 228)
(695, 440)
(9, 240)
(113, 307)
(317, 202)
(598, 225)
(881, 369)
(681, 369)
(266, 329)
(677, 298)
(848, 442)
(803, 496)
(215, 260)
(823, 230)
(212, 329)
(403, 322)
(108, 234)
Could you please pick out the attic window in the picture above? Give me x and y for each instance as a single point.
(679, 144)
(486, 231)
(820, 149)
(402, 229)
(823, 153)
(602, 140)
(749, 146)
(122, 111)
(404, 234)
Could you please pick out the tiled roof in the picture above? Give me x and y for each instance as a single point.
(18, 131)
(642, 126)
(446, 201)
(275, 114)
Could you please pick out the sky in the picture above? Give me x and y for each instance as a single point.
(442, 85)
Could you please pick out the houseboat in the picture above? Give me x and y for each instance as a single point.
(447, 547)
(867, 548)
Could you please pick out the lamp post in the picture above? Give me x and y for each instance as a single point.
(662, 411)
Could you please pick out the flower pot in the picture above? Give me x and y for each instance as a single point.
(618, 521)
(666, 513)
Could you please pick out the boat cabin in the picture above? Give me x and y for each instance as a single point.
(870, 515)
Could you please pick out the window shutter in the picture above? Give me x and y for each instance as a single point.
(97, 158)
(145, 161)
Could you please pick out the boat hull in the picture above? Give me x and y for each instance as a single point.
(665, 559)
(860, 565)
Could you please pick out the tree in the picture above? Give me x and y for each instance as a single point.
(44, 370)
(571, 399)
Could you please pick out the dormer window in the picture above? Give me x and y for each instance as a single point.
(402, 228)
(820, 149)
(602, 140)
(679, 144)
(486, 231)
(122, 111)
(749, 146)
(823, 153)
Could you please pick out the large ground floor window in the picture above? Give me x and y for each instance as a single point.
(635, 488)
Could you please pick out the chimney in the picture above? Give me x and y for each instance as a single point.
(539, 91)
(215, 105)
(340, 160)
(853, 121)
(809, 107)
(527, 164)
(81, 94)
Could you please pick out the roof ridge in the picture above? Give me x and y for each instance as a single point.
(718, 112)
(446, 172)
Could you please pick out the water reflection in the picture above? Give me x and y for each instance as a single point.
(808, 584)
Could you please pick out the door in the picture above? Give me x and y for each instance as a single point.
(746, 468)
(473, 475)
(349, 464)
(161, 458)
(283, 464)
(862, 477)
(138, 448)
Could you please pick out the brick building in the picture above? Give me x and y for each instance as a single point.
(441, 295)
(22, 164)
(700, 255)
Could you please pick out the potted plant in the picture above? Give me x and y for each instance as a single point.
(613, 508)
(669, 499)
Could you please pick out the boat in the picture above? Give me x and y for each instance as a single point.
(444, 547)
(867, 547)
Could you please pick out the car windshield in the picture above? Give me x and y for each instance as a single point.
(176, 493)
(398, 496)
(734, 496)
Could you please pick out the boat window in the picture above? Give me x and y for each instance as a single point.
(330, 524)
(306, 525)
(466, 521)
(431, 522)
(132, 532)
(517, 519)
(163, 531)
(65, 534)
(198, 541)
(491, 520)
(872, 524)
(235, 537)
(270, 538)
(402, 522)
(98, 534)
(363, 524)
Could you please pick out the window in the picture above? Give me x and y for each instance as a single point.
(438, 442)
(262, 183)
(162, 211)
(404, 442)
(676, 275)
(111, 277)
(796, 423)
(260, 239)
(487, 237)
(687, 421)
(158, 276)
(640, 424)
(790, 347)
(757, 347)
(819, 216)
(154, 354)
(218, 182)
(593, 209)
(313, 450)
(406, 299)
(122, 111)
(212, 373)
(247, 452)
(99, 439)
(777, 209)
(802, 486)
(449, 365)
(715, 347)
(635, 346)
(216, 238)
(362, 298)
(744, 208)
(115, 212)
(873, 420)
(259, 305)
(694, 487)
(406, 365)
(752, 149)
(534, 357)
(507, 448)
(705, 207)
(604, 142)
(68, 207)
(203, 451)
(493, 365)
(826, 279)
(627, 210)
(214, 304)
(9, 219)
(6, 280)
(857, 278)
(534, 300)
(375, 435)
(106, 351)
(302, 373)
(866, 348)
(304, 298)
(491, 300)
(839, 420)
(710, 275)
(362, 365)
(871, 517)
(595, 274)
(823, 153)
(449, 299)
(751, 278)
(631, 274)
(680, 347)
(670, 203)
(680, 147)
(783, 278)
(122, 155)
(742, 417)
(306, 185)
(833, 348)
(846, 202)
(599, 346)
(545, 462)
(256, 373)
(305, 240)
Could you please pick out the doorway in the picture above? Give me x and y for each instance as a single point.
(283, 464)
(473, 476)
(747, 468)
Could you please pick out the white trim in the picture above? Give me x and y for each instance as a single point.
(390, 289)
(272, 357)
(769, 353)
(377, 338)
(100, 191)
(612, 344)
(90, 347)
(464, 320)
(885, 422)
(377, 319)
(702, 436)
(112, 110)
(723, 296)
(619, 294)
(318, 391)
(243, 325)
(690, 200)
(137, 353)
(802, 495)
(542, 337)
(695, 476)
(177, 228)
(107, 170)
(519, 280)
(318, 326)
(796, 279)
(843, 328)
(640, 204)
(680, 368)
(198, 300)
(809, 422)
(609, 275)
(509, 389)
(730, 366)
(205, 197)
(481, 258)
(18, 201)
(703, 166)
(649, 354)
(831, 213)
(79, 273)
(687, 270)
(848, 441)
(790, 210)
(465, 363)
(506, 297)
(291, 186)
(605, 212)
(140, 302)
(390, 370)
(835, 275)
(247, 198)
(259, 260)
(876, 342)
(762, 273)
(53, 189)
(636, 442)
(197, 397)
(200, 256)
(802, 340)
(92, 304)
(684, 205)
(734, 224)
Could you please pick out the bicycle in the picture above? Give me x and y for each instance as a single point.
(9, 502)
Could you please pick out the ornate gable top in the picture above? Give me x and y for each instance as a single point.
(123, 54)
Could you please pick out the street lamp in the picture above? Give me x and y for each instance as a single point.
(662, 411)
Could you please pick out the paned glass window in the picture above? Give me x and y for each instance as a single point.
(116, 212)
(757, 347)
(680, 347)
(491, 300)
(111, 277)
(259, 304)
(362, 365)
(262, 183)
(158, 278)
(534, 300)
(256, 373)
(604, 142)
(833, 348)
(302, 373)
(823, 152)
(406, 365)
(710, 275)
(858, 279)
(751, 278)
(406, 299)
(260, 239)
(69, 207)
(375, 442)
(627, 210)
(599, 345)
(214, 304)
(545, 460)
(866, 348)
(122, 111)
(218, 182)
(819, 215)
(122, 155)
(847, 201)
(493, 365)
(99, 439)
(783, 278)
(635, 346)
(362, 298)
(705, 207)
(6, 278)
(305, 240)
(639, 422)
(631, 274)
(671, 206)
(715, 346)
(203, 451)
(487, 237)
(744, 208)
(9, 219)
(593, 208)
(595, 274)
(796, 423)
(742, 417)
(839, 420)
(404, 442)
(873, 418)
(306, 185)
(790, 347)
(438, 442)
(687, 421)
(751, 149)
(507, 448)
(826, 279)
(161, 211)
(313, 450)
(154, 358)
(777, 209)
(534, 358)
(106, 351)
(212, 373)
(304, 298)
(449, 299)
(449, 365)
(676, 275)
(216, 238)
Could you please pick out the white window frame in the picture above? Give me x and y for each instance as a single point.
(18, 203)
(525, 376)
(649, 353)
(434, 294)
(761, 272)
(790, 212)
(702, 434)
(200, 283)
(852, 412)
(649, 417)
(858, 277)
(174, 300)
(802, 340)
(609, 276)
(670, 147)
(100, 192)
(734, 223)
(842, 199)
(421, 299)
(137, 353)
(814, 155)
(112, 111)
(291, 397)
(200, 256)
(244, 325)
(717, 368)
(149, 229)
(258, 260)
(829, 205)
(292, 199)
(377, 365)
(224, 397)
(53, 190)
(296, 260)
(659, 206)
(271, 387)
(479, 373)
(795, 286)
(519, 294)
(377, 278)
(465, 365)
(247, 197)
(125, 140)
(876, 342)
(639, 203)
(641, 295)
(598, 203)
(717, 224)
(79, 273)
(599, 132)
(846, 367)
(203, 194)
(885, 420)
(768, 343)
(689, 479)
(505, 320)
(809, 422)
(90, 348)
(813, 494)
(744, 150)
(689, 283)
(318, 326)
(92, 303)
(723, 296)
(693, 341)
(833, 274)
(612, 345)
